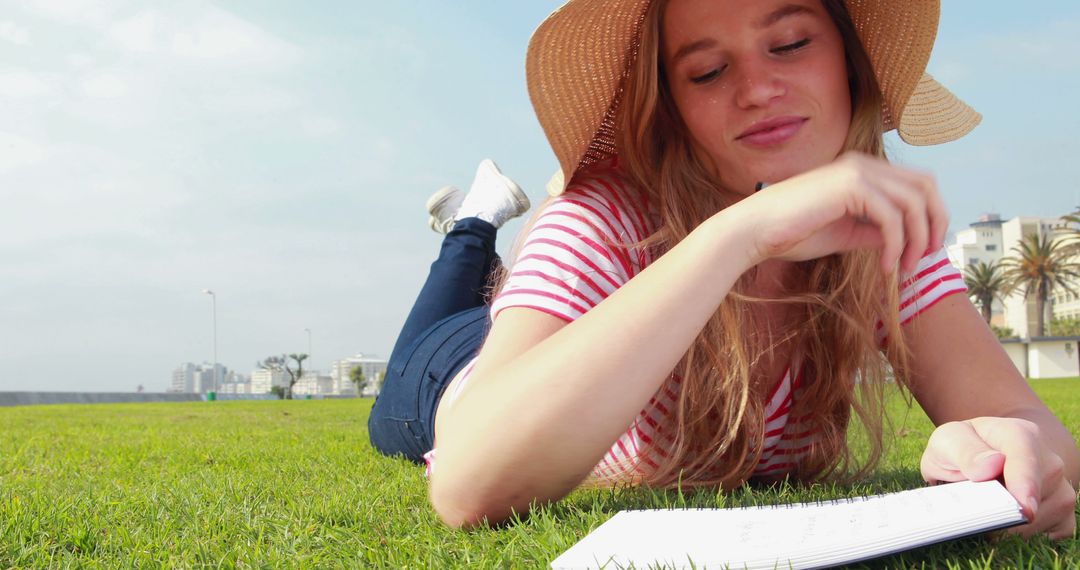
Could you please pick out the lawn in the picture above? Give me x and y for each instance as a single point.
(296, 484)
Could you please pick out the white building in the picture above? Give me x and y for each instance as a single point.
(235, 383)
(183, 379)
(372, 368)
(313, 383)
(263, 380)
(990, 239)
(190, 378)
(1048, 357)
(1066, 304)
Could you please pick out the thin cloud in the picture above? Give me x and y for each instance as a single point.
(22, 84)
(104, 86)
(17, 151)
(10, 32)
(222, 37)
(204, 33)
(1051, 48)
(320, 126)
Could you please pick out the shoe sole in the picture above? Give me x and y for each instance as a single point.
(434, 225)
(439, 198)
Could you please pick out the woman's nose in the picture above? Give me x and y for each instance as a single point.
(756, 85)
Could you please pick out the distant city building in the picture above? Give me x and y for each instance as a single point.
(183, 379)
(312, 383)
(372, 367)
(263, 380)
(990, 239)
(190, 378)
(206, 380)
(235, 383)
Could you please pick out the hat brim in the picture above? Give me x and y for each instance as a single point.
(934, 115)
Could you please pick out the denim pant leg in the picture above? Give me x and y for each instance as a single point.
(402, 421)
(455, 281)
(444, 330)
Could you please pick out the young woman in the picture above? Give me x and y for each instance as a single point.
(732, 270)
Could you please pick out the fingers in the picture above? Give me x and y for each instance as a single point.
(956, 452)
(925, 184)
(1056, 515)
(916, 200)
(916, 221)
(985, 448)
(882, 212)
(1024, 470)
(1060, 509)
(830, 209)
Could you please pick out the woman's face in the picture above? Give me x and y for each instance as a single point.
(761, 85)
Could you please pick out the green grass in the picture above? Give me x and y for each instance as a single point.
(296, 484)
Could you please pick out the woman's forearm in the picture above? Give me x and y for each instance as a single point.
(534, 427)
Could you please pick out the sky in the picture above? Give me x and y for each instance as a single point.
(280, 154)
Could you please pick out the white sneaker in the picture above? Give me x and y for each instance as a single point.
(493, 197)
(442, 205)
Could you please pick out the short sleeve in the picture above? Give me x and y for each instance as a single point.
(932, 280)
(573, 256)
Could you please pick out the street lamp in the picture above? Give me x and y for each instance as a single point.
(213, 308)
(308, 331)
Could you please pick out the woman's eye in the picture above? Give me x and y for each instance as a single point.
(792, 47)
(707, 77)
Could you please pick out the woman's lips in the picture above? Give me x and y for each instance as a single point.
(772, 132)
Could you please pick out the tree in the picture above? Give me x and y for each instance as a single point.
(1068, 326)
(1040, 263)
(281, 363)
(275, 364)
(1003, 332)
(1072, 240)
(294, 374)
(357, 376)
(985, 283)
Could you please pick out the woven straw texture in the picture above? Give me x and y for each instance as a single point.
(579, 56)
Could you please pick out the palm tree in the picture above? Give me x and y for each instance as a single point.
(357, 376)
(1072, 240)
(1040, 264)
(985, 283)
(296, 374)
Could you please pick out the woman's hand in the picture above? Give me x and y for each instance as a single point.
(982, 449)
(855, 202)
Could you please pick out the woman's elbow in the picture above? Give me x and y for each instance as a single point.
(462, 508)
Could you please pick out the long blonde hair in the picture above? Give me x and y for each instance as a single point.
(718, 424)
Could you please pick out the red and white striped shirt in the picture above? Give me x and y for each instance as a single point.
(564, 269)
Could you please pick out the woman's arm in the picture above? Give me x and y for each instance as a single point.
(545, 401)
(532, 427)
(962, 377)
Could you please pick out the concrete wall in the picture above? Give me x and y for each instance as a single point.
(1053, 358)
(30, 398)
(25, 398)
(1045, 357)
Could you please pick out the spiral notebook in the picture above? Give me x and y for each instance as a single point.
(801, 535)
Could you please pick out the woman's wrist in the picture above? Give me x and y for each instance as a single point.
(732, 232)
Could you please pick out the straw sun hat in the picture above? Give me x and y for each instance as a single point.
(580, 55)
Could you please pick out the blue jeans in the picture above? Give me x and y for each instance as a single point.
(443, 332)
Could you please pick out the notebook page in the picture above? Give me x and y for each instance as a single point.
(805, 535)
